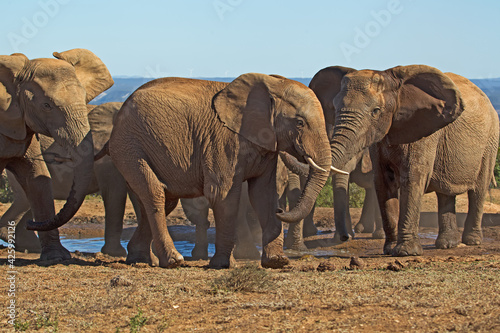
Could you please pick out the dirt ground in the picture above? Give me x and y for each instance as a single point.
(349, 287)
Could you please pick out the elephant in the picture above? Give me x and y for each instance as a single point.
(49, 97)
(427, 131)
(359, 167)
(105, 178)
(185, 138)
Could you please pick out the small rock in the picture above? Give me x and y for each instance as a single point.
(325, 266)
(356, 263)
(120, 281)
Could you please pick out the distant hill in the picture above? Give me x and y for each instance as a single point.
(491, 88)
(123, 87)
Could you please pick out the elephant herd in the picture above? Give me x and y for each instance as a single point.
(243, 149)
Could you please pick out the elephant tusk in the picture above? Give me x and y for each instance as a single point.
(342, 172)
(314, 165)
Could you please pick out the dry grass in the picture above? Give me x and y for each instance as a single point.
(461, 294)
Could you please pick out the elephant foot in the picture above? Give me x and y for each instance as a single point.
(309, 230)
(388, 246)
(365, 226)
(447, 240)
(274, 261)
(114, 250)
(199, 252)
(172, 260)
(246, 252)
(221, 261)
(359, 228)
(338, 238)
(378, 234)
(146, 257)
(408, 248)
(474, 237)
(54, 252)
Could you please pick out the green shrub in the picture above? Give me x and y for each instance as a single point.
(356, 195)
(6, 194)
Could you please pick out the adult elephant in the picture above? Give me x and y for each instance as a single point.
(49, 97)
(326, 86)
(105, 179)
(182, 138)
(430, 131)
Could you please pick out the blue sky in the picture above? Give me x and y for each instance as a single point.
(225, 38)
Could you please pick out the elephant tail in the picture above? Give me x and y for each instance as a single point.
(103, 152)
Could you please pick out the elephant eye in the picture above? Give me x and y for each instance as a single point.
(376, 112)
(300, 122)
(47, 106)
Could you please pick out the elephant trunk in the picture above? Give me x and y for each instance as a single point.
(82, 158)
(294, 165)
(315, 181)
(344, 146)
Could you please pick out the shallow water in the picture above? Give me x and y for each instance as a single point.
(94, 245)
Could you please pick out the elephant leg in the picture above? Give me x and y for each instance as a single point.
(309, 227)
(387, 196)
(473, 234)
(114, 195)
(17, 210)
(196, 211)
(448, 231)
(366, 221)
(343, 227)
(245, 246)
(26, 240)
(32, 174)
(139, 246)
(411, 194)
(295, 235)
(264, 200)
(225, 214)
(143, 181)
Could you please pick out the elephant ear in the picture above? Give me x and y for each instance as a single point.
(326, 85)
(428, 100)
(90, 70)
(11, 116)
(246, 106)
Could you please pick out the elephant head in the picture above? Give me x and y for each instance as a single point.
(278, 114)
(399, 105)
(50, 96)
